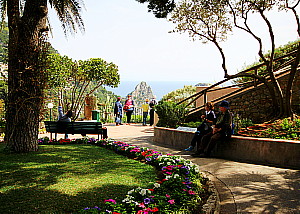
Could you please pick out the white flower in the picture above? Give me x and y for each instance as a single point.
(156, 185)
(130, 192)
(176, 176)
(143, 192)
(128, 199)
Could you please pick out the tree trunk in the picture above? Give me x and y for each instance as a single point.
(289, 87)
(25, 75)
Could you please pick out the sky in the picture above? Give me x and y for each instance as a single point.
(125, 33)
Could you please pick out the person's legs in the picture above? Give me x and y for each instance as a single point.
(117, 120)
(145, 114)
(121, 116)
(203, 142)
(212, 143)
(196, 138)
(128, 114)
(151, 117)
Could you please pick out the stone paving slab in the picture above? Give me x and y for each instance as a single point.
(242, 187)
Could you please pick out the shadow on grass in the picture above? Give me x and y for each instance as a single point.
(37, 200)
(67, 178)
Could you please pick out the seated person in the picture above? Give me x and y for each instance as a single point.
(221, 130)
(205, 127)
(64, 117)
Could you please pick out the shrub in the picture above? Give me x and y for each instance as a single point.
(193, 124)
(170, 114)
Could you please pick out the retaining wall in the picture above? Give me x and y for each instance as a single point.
(281, 153)
(256, 104)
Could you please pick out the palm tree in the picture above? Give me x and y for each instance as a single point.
(28, 28)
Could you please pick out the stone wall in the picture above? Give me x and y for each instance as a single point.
(273, 152)
(256, 104)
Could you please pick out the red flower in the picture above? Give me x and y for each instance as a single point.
(155, 209)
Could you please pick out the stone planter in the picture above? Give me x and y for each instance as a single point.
(274, 152)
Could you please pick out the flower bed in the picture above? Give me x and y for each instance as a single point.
(280, 129)
(180, 186)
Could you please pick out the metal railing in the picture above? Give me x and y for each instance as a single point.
(279, 72)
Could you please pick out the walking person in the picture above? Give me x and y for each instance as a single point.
(221, 130)
(118, 112)
(145, 108)
(129, 108)
(152, 103)
(205, 127)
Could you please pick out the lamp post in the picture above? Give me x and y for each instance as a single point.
(50, 106)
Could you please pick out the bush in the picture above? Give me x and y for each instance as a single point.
(170, 114)
(193, 124)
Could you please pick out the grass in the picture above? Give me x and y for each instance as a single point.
(67, 178)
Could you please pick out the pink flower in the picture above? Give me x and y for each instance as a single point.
(142, 205)
(192, 192)
(168, 196)
(110, 200)
(171, 201)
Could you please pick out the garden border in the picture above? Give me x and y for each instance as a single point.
(265, 151)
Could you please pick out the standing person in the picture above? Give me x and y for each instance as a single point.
(152, 103)
(64, 117)
(129, 108)
(221, 131)
(118, 111)
(145, 108)
(205, 127)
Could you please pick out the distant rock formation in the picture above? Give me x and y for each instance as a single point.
(141, 93)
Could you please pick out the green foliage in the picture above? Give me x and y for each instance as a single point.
(4, 44)
(160, 8)
(280, 51)
(192, 124)
(241, 123)
(72, 81)
(180, 94)
(98, 70)
(170, 114)
(202, 19)
(281, 129)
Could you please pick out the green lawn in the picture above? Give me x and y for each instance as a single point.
(67, 178)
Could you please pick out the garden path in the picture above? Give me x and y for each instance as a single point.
(242, 187)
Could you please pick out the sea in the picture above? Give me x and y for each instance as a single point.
(159, 88)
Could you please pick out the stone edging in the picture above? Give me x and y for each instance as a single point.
(272, 152)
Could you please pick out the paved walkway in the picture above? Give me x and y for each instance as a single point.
(242, 187)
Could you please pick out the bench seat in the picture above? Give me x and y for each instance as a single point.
(76, 127)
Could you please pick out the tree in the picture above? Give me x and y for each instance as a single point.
(180, 94)
(28, 27)
(211, 20)
(77, 80)
(160, 8)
